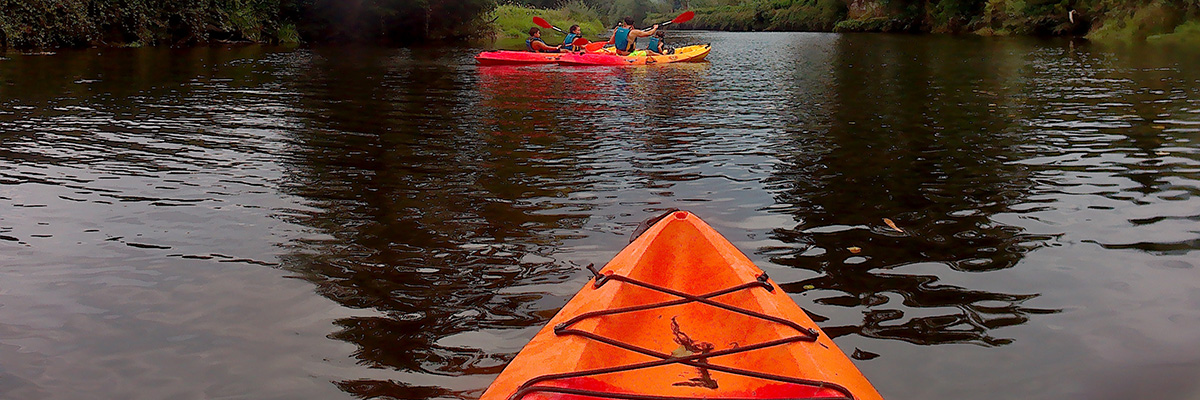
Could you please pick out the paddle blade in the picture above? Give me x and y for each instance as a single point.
(580, 42)
(542, 23)
(594, 47)
(685, 17)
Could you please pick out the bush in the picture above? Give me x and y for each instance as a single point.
(771, 15)
(1154, 19)
(1185, 34)
(877, 24)
(53, 23)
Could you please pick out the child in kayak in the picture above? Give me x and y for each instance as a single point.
(625, 36)
(572, 34)
(537, 45)
(657, 45)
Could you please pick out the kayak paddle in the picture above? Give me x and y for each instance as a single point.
(594, 46)
(542, 23)
(685, 17)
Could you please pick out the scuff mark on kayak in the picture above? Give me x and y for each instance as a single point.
(692, 347)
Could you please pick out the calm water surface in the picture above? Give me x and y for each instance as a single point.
(275, 223)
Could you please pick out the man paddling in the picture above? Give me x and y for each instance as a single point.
(625, 36)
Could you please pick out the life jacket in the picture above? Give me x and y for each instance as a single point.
(652, 44)
(529, 43)
(569, 40)
(621, 39)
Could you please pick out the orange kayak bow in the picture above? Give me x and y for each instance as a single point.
(680, 314)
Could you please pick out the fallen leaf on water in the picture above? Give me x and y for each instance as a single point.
(863, 355)
(854, 250)
(809, 287)
(893, 225)
(1159, 127)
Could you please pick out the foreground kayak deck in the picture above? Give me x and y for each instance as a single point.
(684, 54)
(680, 314)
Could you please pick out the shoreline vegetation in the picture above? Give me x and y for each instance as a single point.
(1102, 20)
(43, 24)
(512, 21)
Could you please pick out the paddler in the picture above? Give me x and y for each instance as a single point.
(657, 45)
(572, 34)
(537, 45)
(625, 37)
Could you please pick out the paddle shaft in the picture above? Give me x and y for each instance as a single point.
(542, 22)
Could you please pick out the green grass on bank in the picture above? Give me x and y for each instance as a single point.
(1154, 19)
(514, 21)
(1187, 33)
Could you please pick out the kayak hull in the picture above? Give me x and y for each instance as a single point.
(680, 314)
(695, 53)
(505, 57)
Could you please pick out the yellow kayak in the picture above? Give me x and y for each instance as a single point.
(684, 54)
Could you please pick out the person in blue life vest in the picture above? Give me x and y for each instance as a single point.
(572, 34)
(625, 36)
(537, 45)
(657, 45)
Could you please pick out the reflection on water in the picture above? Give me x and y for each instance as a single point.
(1042, 192)
(901, 141)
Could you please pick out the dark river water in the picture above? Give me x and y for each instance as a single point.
(275, 223)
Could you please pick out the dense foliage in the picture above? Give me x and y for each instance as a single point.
(766, 15)
(47, 23)
(43, 23)
(1124, 19)
(51, 23)
(398, 21)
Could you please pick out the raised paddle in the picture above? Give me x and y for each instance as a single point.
(542, 23)
(685, 17)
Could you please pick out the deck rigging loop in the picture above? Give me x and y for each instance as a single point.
(699, 360)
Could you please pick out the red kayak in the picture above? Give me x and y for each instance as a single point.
(505, 57)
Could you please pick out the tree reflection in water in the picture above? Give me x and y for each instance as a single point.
(425, 222)
(897, 145)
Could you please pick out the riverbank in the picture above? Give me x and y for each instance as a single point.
(1162, 21)
(513, 22)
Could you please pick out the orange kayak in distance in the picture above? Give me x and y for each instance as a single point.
(680, 313)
